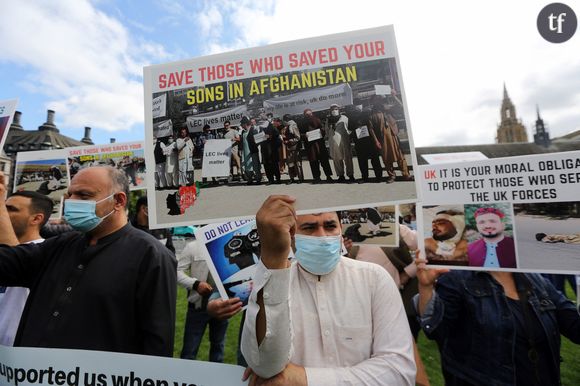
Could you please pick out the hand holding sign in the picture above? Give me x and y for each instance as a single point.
(276, 222)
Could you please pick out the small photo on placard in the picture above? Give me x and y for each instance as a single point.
(377, 226)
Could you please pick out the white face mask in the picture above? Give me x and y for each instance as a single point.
(334, 113)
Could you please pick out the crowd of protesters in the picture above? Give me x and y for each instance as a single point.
(96, 211)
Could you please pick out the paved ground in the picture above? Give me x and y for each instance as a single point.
(240, 200)
(533, 254)
(386, 236)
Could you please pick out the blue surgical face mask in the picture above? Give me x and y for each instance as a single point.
(318, 255)
(81, 215)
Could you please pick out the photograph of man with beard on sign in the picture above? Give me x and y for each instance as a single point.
(445, 242)
(494, 246)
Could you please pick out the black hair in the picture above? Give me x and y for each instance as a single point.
(142, 201)
(39, 203)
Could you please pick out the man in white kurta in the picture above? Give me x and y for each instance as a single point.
(185, 148)
(344, 327)
(338, 137)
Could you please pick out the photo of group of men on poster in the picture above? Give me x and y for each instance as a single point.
(341, 144)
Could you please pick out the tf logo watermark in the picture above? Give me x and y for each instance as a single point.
(557, 23)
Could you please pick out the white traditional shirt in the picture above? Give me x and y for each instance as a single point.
(12, 302)
(191, 259)
(346, 328)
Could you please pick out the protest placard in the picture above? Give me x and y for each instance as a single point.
(285, 92)
(515, 213)
(314, 135)
(163, 129)
(44, 172)
(315, 99)
(7, 110)
(362, 132)
(159, 106)
(128, 157)
(215, 119)
(382, 89)
(231, 250)
(216, 158)
(374, 226)
(25, 366)
(259, 137)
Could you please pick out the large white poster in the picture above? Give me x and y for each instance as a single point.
(286, 93)
(127, 156)
(23, 366)
(44, 172)
(515, 213)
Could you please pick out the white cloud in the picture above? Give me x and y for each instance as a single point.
(454, 55)
(84, 61)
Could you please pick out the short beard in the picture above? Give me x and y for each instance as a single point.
(442, 237)
(491, 236)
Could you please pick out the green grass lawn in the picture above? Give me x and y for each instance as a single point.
(570, 352)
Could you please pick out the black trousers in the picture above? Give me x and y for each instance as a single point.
(363, 164)
(315, 168)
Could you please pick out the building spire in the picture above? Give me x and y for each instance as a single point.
(541, 136)
(510, 129)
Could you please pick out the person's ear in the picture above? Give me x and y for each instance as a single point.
(36, 219)
(120, 200)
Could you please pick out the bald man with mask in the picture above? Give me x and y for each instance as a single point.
(322, 319)
(86, 290)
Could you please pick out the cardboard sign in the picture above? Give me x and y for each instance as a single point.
(314, 135)
(259, 137)
(284, 78)
(7, 110)
(512, 214)
(362, 132)
(216, 158)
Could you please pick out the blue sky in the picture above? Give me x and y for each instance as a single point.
(84, 58)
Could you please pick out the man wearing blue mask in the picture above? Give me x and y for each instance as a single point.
(322, 319)
(106, 287)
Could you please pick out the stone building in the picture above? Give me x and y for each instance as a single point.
(510, 129)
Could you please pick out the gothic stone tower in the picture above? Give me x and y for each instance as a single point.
(510, 129)
(542, 136)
